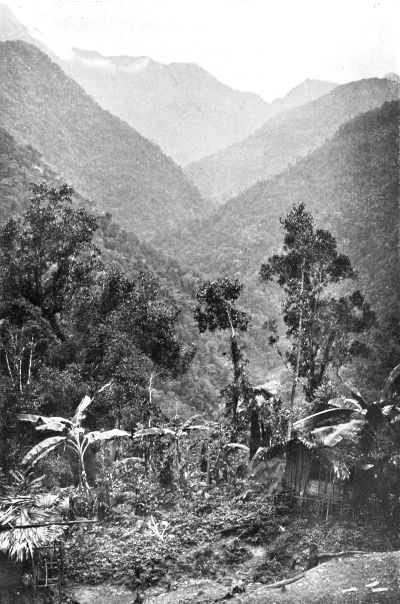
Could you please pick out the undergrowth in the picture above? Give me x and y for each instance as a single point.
(217, 533)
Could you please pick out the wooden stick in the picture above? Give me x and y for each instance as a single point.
(285, 581)
(6, 527)
(340, 554)
(301, 575)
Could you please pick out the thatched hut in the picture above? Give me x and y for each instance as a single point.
(311, 474)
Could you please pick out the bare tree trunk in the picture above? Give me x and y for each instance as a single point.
(298, 358)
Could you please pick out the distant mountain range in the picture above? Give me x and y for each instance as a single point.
(103, 157)
(182, 107)
(286, 138)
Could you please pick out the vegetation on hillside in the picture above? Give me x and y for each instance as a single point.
(69, 324)
(286, 138)
(140, 421)
(176, 497)
(351, 186)
(99, 154)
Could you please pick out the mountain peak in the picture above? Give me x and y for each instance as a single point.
(309, 90)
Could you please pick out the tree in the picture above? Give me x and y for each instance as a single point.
(69, 323)
(216, 310)
(127, 334)
(320, 327)
(48, 255)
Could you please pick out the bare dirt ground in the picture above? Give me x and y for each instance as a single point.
(372, 578)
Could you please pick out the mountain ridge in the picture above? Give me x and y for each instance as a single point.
(182, 106)
(350, 184)
(286, 138)
(93, 150)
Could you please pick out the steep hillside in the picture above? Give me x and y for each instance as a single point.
(197, 390)
(94, 151)
(19, 166)
(351, 185)
(286, 138)
(180, 106)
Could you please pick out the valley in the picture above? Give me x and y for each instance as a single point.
(199, 316)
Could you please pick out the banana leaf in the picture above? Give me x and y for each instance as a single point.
(96, 436)
(80, 410)
(330, 436)
(41, 449)
(153, 432)
(310, 422)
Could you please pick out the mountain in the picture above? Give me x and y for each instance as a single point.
(350, 184)
(182, 107)
(12, 29)
(97, 153)
(19, 166)
(303, 93)
(286, 138)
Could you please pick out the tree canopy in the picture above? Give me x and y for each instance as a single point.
(69, 323)
(320, 326)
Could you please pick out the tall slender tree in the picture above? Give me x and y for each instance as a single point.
(320, 327)
(216, 310)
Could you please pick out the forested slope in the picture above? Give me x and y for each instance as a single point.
(22, 165)
(351, 186)
(182, 107)
(286, 138)
(103, 157)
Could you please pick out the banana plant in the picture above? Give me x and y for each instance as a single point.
(175, 433)
(358, 412)
(72, 436)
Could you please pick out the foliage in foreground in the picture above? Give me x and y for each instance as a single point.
(72, 436)
(69, 323)
(19, 507)
(213, 533)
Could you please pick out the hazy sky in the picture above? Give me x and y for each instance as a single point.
(265, 46)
